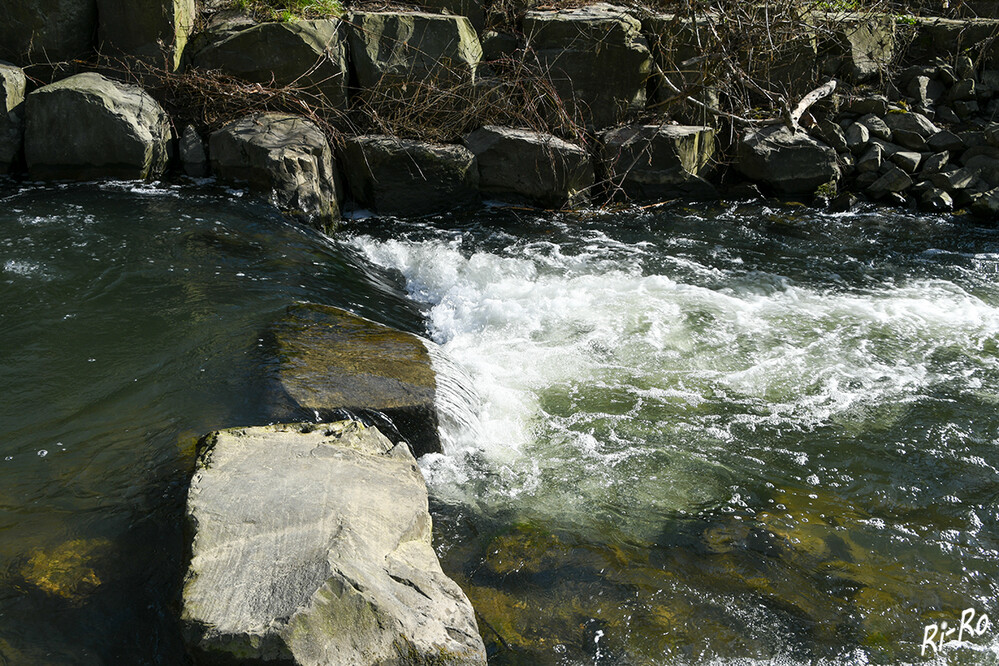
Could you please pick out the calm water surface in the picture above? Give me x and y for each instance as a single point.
(724, 434)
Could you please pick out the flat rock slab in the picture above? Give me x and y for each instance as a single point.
(597, 59)
(312, 545)
(283, 155)
(658, 162)
(89, 127)
(404, 177)
(307, 54)
(330, 361)
(531, 167)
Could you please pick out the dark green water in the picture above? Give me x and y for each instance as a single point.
(727, 434)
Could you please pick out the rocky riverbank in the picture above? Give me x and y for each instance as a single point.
(621, 82)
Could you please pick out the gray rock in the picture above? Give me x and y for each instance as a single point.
(992, 134)
(985, 168)
(972, 138)
(659, 162)
(893, 180)
(857, 137)
(966, 110)
(843, 202)
(192, 153)
(863, 46)
(89, 127)
(790, 162)
(847, 164)
(906, 160)
(830, 133)
(991, 152)
(154, 32)
(965, 66)
(312, 545)
(281, 155)
(397, 55)
(945, 140)
(596, 57)
(532, 167)
(473, 10)
(962, 90)
(925, 91)
(934, 164)
(871, 160)
(308, 54)
(952, 179)
(329, 362)
(987, 205)
(910, 129)
(877, 126)
(873, 104)
(12, 89)
(404, 177)
(946, 115)
(44, 31)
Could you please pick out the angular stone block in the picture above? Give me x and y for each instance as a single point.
(308, 54)
(596, 57)
(282, 155)
(532, 167)
(403, 177)
(312, 545)
(154, 31)
(657, 162)
(89, 127)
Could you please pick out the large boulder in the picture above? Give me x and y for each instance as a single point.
(154, 32)
(46, 30)
(89, 127)
(596, 57)
(303, 53)
(935, 38)
(857, 47)
(657, 162)
(790, 162)
(283, 155)
(403, 177)
(395, 53)
(331, 364)
(910, 129)
(12, 88)
(533, 167)
(312, 545)
(676, 41)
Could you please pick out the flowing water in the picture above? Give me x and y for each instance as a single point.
(715, 434)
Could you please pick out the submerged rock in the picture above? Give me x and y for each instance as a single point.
(307, 54)
(312, 545)
(69, 570)
(154, 32)
(790, 162)
(538, 168)
(12, 88)
(331, 362)
(597, 59)
(284, 155)
(404, 177)
(89, 127)
(657, 162)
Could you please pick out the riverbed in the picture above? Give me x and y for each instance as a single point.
(723, 433)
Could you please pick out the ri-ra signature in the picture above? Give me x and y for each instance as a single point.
(939, 635)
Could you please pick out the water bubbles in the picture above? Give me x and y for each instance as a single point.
(813, 479)
(42, 453)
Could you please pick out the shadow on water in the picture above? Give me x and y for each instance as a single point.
(131, 323)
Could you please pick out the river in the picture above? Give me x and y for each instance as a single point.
(727, 433)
